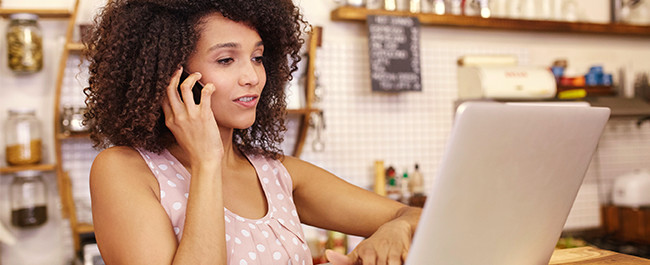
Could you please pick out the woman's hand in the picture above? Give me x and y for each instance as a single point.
(193, 126)
(389, 245)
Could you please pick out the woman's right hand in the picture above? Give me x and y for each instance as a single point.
(193, 126)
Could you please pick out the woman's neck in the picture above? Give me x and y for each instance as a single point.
(232, 155)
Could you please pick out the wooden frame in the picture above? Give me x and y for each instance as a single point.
(63, 179)
(42, 13)
(310, 86)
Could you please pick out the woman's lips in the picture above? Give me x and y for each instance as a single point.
(247, 101)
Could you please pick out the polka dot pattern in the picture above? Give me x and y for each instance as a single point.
(275, 238)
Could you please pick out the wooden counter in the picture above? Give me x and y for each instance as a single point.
(593, 256)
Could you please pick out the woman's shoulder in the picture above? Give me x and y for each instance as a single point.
(292, 162)
(298, 167)
(119, 155)
(120, 163)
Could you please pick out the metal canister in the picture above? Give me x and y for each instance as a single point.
(24, 43)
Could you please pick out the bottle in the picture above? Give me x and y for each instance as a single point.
(390, 5)
(439, 7)
(415, 6)
(337, 242)
(392, 191)
(404, 188)
(22, 137)
(380, 178)
(485, 9)
(357, 3)
(28, 199)
(416, 183)
(24, 43)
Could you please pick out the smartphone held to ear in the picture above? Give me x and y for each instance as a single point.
(196, 90)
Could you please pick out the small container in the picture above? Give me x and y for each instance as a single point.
(579, 81)
(24, 43)
(415, 6)
(23, 137)
(608, 80)
(72, 120)
(28, 199)
(593, 79)
(374, 4)
(66, 117)
(357, 3)
(390, 5)
(402, 5)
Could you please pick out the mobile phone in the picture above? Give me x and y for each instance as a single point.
(196, 90)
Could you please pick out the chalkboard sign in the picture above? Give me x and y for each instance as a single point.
(394, 44)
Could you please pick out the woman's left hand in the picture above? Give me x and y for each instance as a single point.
(389, 245)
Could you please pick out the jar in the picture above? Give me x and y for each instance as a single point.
(76, 120)
(28, 199)
(23, 137)
(24, 43)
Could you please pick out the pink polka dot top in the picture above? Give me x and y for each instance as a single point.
(276, 238)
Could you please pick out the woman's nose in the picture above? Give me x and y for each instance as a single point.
(250, 74)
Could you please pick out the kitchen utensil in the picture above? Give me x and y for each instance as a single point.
(318, 123)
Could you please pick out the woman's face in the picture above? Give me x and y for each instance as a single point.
(229, 55)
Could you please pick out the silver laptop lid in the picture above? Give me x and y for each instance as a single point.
(507, 182)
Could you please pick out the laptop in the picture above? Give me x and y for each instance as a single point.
(507, 182)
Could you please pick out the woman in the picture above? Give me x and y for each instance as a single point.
(187, 183)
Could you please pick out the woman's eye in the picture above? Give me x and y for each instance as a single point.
(258, 59)
(225, 61)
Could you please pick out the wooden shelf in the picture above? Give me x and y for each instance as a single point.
(357, 14)
(64, 136)
(14, 169)
(84, 228)
(631, 107)
(42, 13)
(75, 47)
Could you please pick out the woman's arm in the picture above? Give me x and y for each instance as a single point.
(324, 200)
(130, 224)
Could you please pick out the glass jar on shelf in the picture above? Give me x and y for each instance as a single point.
(24, 43)
(23, 137)
(28, 199)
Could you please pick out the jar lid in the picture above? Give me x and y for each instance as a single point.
(21, 110)
(23, 16)
(28, 173)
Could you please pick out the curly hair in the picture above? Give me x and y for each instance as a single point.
(135, 46)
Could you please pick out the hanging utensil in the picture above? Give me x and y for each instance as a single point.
(317, 122)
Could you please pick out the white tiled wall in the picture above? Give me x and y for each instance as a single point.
(402, 128)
